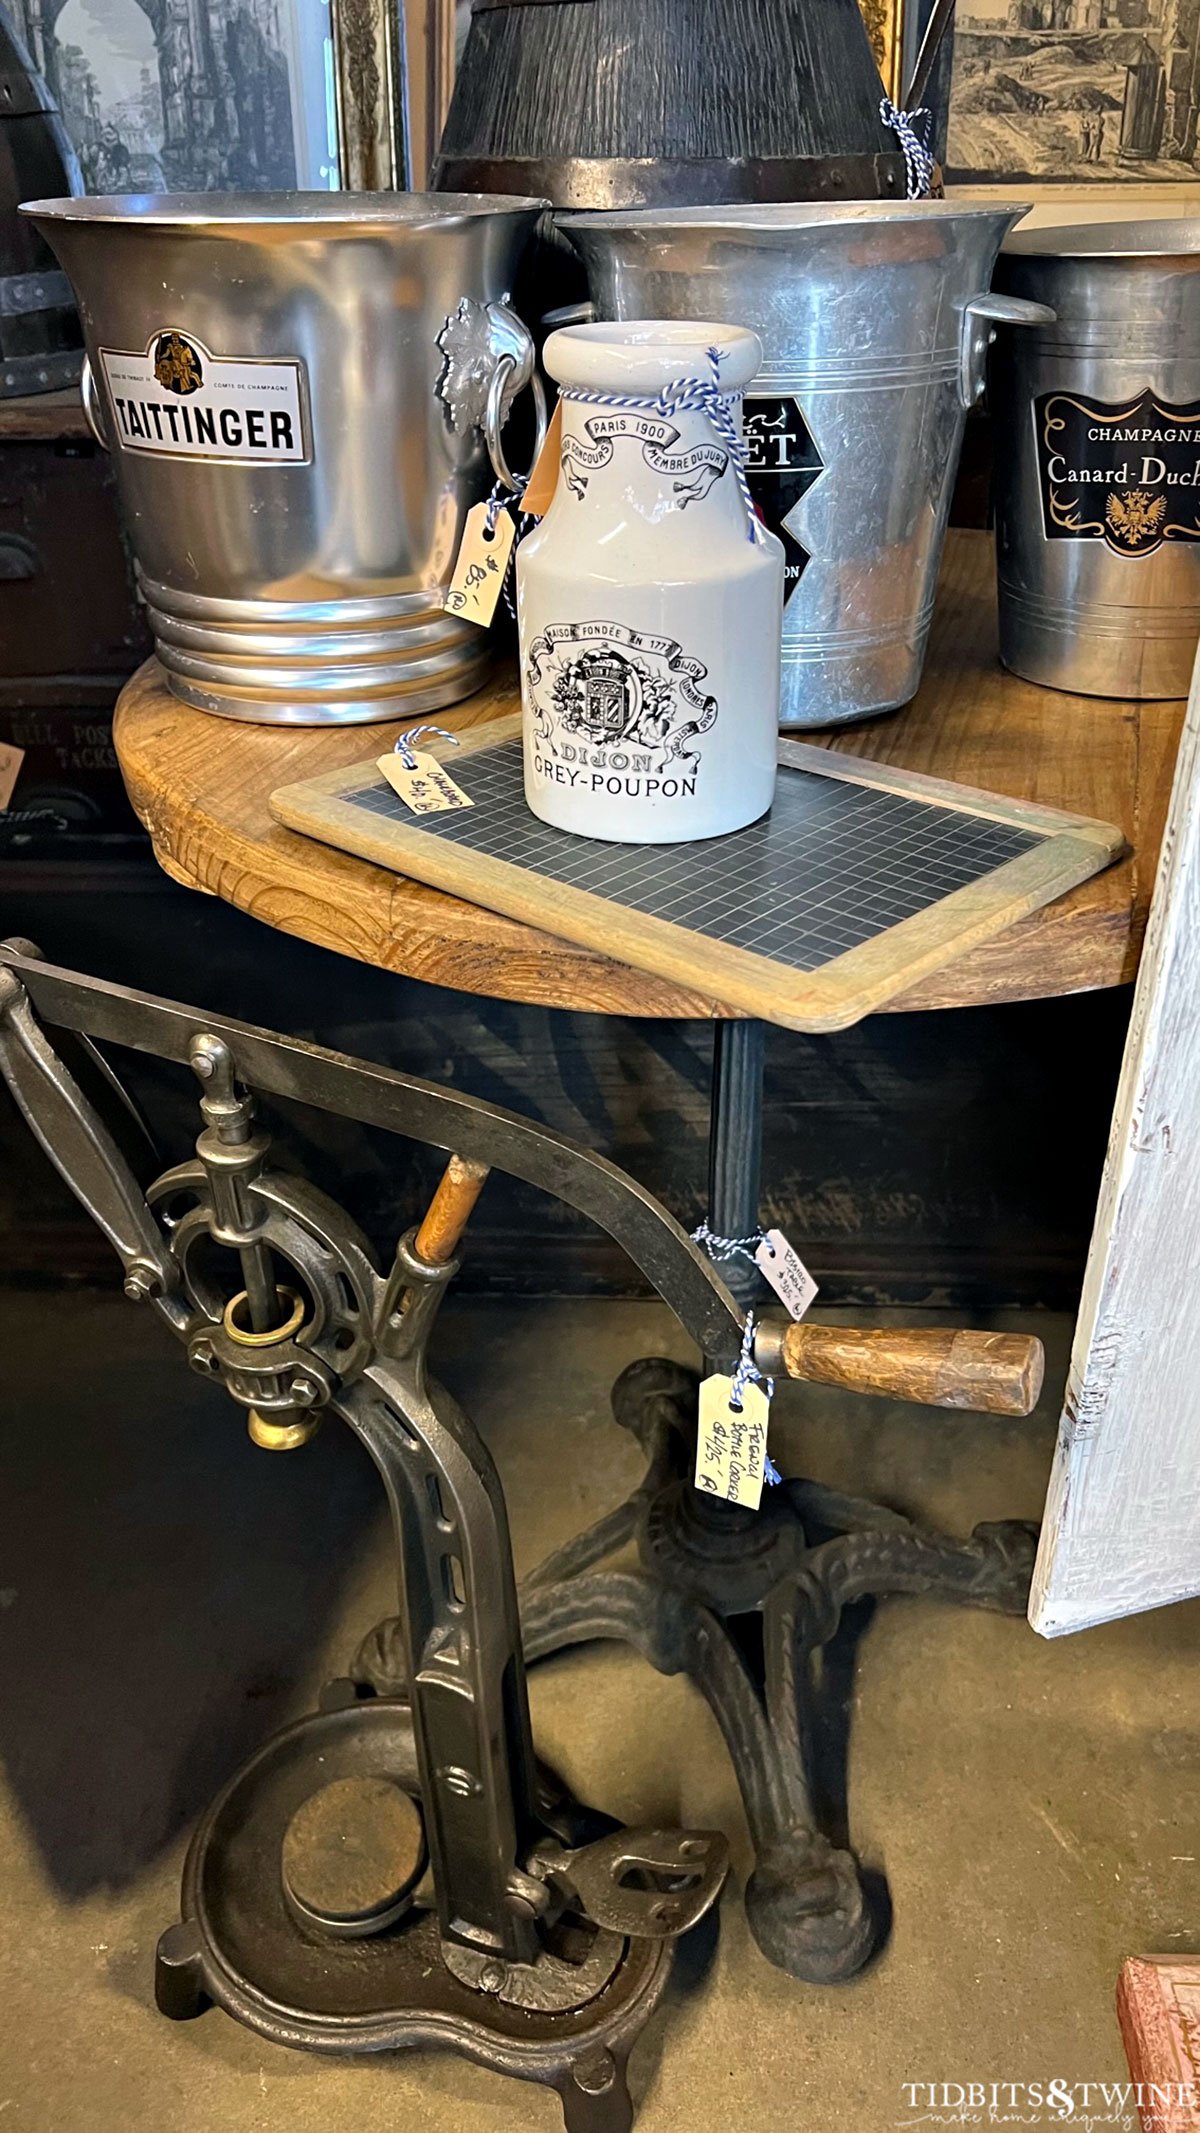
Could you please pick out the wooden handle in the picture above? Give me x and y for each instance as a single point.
(450, 1210)
(994, 1373)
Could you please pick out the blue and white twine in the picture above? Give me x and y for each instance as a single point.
(919, 163)
(718, 1247)
(746, 1372)
(498, 501)
(691, 396)
(404, 746)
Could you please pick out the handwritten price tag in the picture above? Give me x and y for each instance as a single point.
(731, 1447)
(479, 573)
(543, 482)
(11, 760)
(425, 786)
(783, 1267)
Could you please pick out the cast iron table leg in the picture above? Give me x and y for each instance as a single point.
(795, 1564)
(735, 1134)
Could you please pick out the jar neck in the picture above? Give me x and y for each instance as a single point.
(586, 421)
(657, 463)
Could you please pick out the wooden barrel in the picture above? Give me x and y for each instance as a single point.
(643, 103)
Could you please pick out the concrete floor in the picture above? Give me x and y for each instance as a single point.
(168, 1596)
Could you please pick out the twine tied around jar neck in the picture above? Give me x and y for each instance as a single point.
(691, 396)
(919, 161)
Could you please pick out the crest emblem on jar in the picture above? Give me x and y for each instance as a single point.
(616, 710)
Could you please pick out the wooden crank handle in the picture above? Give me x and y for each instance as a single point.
(450, 1210)
(944, 1366)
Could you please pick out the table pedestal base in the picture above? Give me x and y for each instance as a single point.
(742, 1602)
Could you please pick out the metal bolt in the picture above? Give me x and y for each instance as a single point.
(305, 1390)
(140, 1283)
(595, 2073)
(203, 1356)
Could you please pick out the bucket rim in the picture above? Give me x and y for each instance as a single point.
(240, 214)
(786, 218)
(1165, 237)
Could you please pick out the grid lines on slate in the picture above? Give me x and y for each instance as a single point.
(833, 864)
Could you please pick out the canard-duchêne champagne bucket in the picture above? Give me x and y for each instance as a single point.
(875, 320)
(1098, 459)
(302, 393)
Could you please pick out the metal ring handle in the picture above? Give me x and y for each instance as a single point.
(91, 406)
(494, 419)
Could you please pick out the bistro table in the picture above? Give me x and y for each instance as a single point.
(207, 810)
(202, 789)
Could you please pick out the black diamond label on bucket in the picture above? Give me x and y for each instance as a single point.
(782, 463)
(1128, 475)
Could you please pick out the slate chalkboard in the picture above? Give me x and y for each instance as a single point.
(858, 881)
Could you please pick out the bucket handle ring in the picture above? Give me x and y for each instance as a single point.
(91, 406)
(494, 420)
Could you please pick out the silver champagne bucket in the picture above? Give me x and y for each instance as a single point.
(1098, 460)
(875, 320)
(303, 394)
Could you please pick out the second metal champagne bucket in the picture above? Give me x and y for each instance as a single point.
(875, 320)
(303, 394)
(1098, 460)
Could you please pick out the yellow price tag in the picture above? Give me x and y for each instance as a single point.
(479, 573)
(731, 1444)
(424, 785)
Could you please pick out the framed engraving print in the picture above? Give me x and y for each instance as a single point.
(1086, 92)
(246, 95)
(193, 96)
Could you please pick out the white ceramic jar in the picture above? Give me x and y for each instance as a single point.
(650, 599)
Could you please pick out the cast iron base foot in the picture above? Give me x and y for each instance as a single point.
(795, 1565)
(240, 1946)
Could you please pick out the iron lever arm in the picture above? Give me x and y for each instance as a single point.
(399, 1103)
(938, 1366)
(79, 1144)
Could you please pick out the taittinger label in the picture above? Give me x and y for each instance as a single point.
(180, 402)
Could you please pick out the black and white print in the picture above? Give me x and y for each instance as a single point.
(1075, 90)
(189, 95)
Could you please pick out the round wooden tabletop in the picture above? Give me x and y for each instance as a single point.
(202, 785)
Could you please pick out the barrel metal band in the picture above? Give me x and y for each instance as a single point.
(576, 182)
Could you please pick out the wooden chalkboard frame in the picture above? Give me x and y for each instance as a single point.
(833, 997)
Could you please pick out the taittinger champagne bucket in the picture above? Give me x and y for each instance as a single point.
(302, 393)
(1098, 459)
(875, 320)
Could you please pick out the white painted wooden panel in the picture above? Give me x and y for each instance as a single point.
(1122, 1521)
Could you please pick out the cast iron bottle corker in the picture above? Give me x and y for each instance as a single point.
(650, 599)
